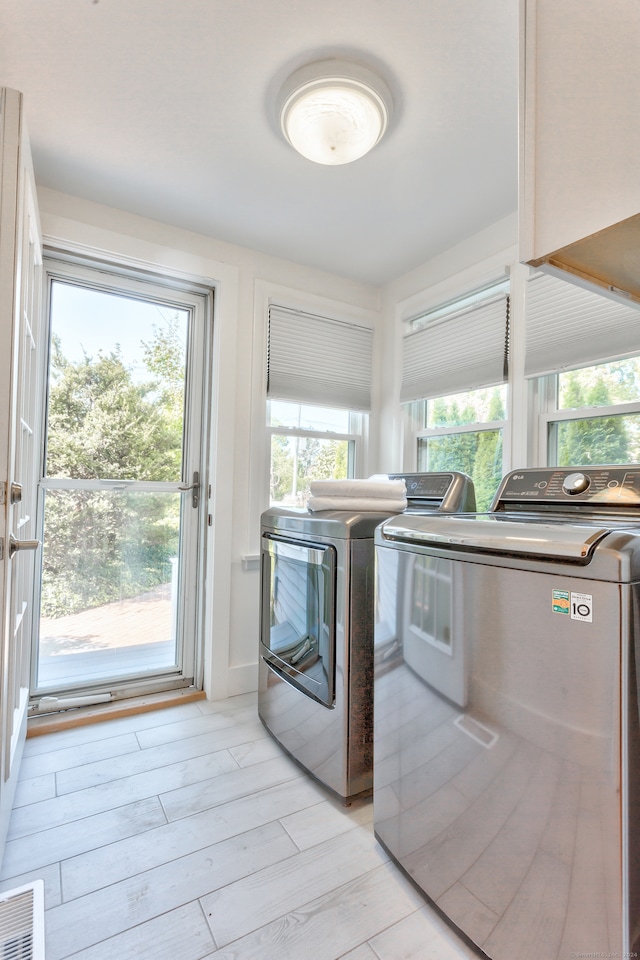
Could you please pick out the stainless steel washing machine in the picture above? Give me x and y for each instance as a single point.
(315, 687)
(507, 747)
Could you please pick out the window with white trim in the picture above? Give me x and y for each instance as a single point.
(462, 346)
(318, 397)
(583, 349)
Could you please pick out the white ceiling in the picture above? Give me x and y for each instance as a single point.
(165, 108)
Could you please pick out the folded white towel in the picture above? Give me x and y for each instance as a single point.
(381, 487)
(357, 504)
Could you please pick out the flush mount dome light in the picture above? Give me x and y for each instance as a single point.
(334, 111)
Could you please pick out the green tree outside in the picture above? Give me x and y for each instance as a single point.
(108, 545)
(281, 480)
(478, 453)
(310, 458)
(590, 440)
(585, 441)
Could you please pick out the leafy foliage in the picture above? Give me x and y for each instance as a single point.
(304, 459)
(101, 546)
(477, 453)
(595, 439)
(588, 440)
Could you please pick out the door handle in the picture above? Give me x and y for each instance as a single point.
(194, 487)
(15, 545)
(15, 492)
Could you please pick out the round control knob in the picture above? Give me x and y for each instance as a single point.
(576, 483)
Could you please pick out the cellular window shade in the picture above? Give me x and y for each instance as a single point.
(569, 326)
(314, 359)
(463, 350)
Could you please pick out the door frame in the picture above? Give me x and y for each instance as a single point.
(86, 232)
(97, 272)
(20, 266)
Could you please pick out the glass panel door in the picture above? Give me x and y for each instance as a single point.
(120, 492)
(298, 616)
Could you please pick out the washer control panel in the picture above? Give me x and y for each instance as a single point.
(597, 486)
(576, 483)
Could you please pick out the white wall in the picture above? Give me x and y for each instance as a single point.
(243, 280)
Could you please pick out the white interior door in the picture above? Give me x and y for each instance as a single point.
(20, 320)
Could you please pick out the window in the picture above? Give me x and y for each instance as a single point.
(312, 360)
(593, 415)
(463, 346)
(310, 443)
(583, 352)
(463, 432)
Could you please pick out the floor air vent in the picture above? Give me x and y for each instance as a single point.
(22, 922)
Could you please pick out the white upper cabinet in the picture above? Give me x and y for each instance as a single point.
(580, 138)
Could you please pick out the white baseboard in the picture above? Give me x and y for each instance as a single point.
(242, 679)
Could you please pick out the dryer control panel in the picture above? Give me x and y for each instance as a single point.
(447, 492)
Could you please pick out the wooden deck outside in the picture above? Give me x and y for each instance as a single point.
(114, 640)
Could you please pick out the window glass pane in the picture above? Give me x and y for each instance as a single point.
(596, 440)
(296, 461)
(116, 386)
(280, 413)
(477, 453)
(600, 386)
(109, 585)
(477, 406)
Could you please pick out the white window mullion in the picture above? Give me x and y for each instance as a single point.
(591, 413)
(545, 401)
(316, 434)
(464, 428)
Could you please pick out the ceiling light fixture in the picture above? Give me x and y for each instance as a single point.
(334, 111)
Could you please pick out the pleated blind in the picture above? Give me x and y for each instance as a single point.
(314, 359)
(464, 350)
(569, 327)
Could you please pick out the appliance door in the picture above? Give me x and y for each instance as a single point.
(546, 538)
(298, 614)
(504, 804)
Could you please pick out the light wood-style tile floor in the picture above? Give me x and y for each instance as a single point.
(187, 834)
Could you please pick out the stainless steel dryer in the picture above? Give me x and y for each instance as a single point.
(507, 746)
(315, 693)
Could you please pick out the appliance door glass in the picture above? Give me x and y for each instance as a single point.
(298, 614)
